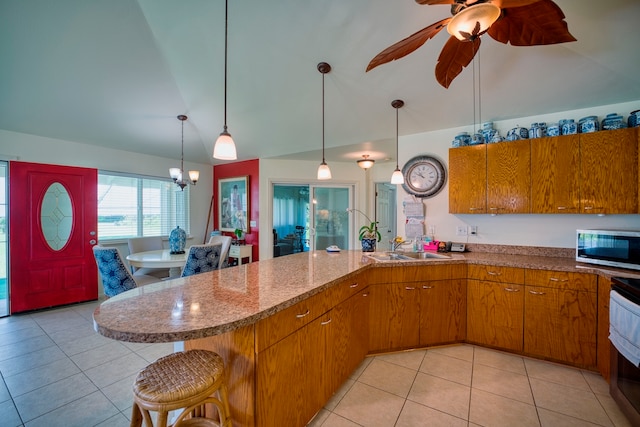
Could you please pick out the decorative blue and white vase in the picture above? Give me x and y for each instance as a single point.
(568, 127)
(177, 240)
(368, 245)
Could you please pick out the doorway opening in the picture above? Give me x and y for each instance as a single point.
(4, 242)
(386, 201)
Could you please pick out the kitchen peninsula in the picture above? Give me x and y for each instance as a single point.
(313, 312)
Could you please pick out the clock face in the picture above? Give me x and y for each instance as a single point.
(424, 176)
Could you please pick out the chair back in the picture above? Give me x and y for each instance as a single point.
(225, 241)
(202, 258)
(114, 274)
(143, 244)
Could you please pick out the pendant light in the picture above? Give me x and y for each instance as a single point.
(323, 170)
(397, 177)
(225, 148)
(177, 174)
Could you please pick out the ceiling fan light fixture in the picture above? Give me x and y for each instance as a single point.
(463, 24)
(366, 162)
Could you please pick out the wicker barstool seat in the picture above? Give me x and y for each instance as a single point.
(189, 380)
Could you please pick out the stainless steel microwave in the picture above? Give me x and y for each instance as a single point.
(616, 248)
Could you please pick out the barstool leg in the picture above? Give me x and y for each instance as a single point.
(136, 416)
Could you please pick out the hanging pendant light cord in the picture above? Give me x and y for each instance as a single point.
(182, 153)
(226, 31)
(397, 160)
(323, 161)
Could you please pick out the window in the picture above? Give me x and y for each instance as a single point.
(136, 206)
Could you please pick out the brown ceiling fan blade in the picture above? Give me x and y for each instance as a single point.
(454, 57)
(435, 1)
(503, 4)
(539, 23)
(408, 45)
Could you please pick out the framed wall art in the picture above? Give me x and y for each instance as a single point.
(233, 204)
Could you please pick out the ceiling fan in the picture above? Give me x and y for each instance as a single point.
(519, 22)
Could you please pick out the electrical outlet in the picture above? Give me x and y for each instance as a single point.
(461, 230)
(473, 230)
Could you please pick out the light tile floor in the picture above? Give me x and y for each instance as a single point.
(57, 371)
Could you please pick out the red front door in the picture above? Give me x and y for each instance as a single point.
(53, 220)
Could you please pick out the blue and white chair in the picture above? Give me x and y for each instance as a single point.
(202, 258)
(115, 276)
(224, 252)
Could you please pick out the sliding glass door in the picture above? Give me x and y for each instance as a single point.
(331, 222)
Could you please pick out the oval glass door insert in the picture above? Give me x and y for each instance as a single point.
(56, 216)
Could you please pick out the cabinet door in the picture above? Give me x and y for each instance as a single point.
(555, 175)
(604, 345)
(509, 177)
(286, 396)
(350, 339)
(560, 324)
(394, 316)
(443, 311)
(468, 180)
(609, 171)
(495, 314)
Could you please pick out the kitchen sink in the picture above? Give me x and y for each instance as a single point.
(406, 256)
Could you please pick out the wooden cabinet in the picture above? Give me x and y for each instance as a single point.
(424, 305)
(609, 172)
(495, 306)
(394, 316)
(300, 371)
(443, 311)
(593, 173)
(555, 175)
(560, 316)
(508, 177)
(468, 180)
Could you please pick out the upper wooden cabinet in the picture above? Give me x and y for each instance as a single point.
(587, 173)
(555, 175)
(609, 172)
(468, 180)
(508, 177)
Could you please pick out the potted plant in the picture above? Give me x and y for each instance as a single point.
(368, 236)
(239, 233)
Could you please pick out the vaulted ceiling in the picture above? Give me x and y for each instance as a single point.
(116, 73)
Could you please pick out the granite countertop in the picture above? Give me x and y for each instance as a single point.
(221, 301)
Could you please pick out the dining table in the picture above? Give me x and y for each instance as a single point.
(160, 258)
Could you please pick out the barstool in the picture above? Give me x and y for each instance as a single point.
(188, 379)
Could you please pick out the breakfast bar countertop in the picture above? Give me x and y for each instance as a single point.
(225, 300)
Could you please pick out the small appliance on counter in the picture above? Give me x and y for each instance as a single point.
(615, 248)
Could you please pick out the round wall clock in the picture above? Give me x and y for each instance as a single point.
(424, 176)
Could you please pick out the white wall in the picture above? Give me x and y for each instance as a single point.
(525, 230)
(35, 149)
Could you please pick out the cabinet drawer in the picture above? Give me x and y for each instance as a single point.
(274, 328)
(561, 280)
(493, 273)
(342, 291)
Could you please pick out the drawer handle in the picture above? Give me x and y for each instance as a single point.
(300, 316)
(366, 294)
(494, 273)
(326, 322)
(537, 293)
(353, 285)
(512, 290)
(476, 209)
(409, 288)
(427, 287)
(554, 279)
